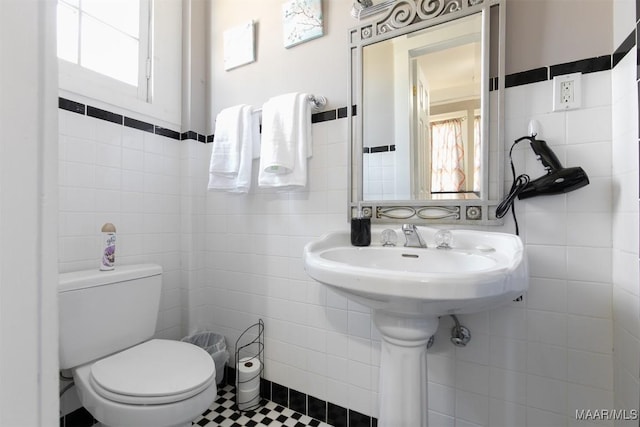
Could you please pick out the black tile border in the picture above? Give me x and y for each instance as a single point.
(306, 404)
(104, 115)
(78, 418)
(317, 408)
(379, 149)
(624, 48)
(585, 66)
(526, 77)
(336, 415)
(138, 124)
(90, 111)
(589, 65)
(324, 116)
(637, 48)
(74, 107)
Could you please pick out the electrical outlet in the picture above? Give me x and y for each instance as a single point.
(567, 92)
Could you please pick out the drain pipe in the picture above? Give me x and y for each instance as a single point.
(460, 335)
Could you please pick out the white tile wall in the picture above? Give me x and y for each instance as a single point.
(531, 363)
(626, 280)
(379, 173)
(232, 259)
(111, 173)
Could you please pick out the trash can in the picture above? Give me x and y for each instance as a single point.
(215, 345)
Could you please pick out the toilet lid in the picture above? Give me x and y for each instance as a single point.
(154, 372)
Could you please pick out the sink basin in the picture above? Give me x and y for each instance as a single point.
(408, 289)
(482, 270)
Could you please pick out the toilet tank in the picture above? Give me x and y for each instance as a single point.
(102, 312)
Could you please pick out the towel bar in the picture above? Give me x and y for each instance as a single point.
(317, 101)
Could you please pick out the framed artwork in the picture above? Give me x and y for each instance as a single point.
(239, 46)
(301, 21)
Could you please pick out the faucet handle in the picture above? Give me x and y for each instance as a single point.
(444, 239)
(388, 237)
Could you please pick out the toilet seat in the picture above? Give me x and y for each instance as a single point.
(154, 372)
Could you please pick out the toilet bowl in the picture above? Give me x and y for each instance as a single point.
(123, 377)
(156, 383)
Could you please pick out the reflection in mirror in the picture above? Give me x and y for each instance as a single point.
(427, 90)
(431, 128)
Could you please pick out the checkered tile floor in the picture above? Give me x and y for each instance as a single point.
(223, 413)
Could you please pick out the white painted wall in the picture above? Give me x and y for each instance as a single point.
(28, 198)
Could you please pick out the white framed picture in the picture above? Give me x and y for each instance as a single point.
(239, 46)
(301, 21)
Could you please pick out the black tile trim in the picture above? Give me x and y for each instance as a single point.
(189, 135)
(79, 417)
(306, 404)
(526, 77)
(73, 106)
(104, 115)
(324, 116)
(379, 149)
(342, 112)
(317, 408)
(356, 419)
(493, 84)
(585, 66)
(336, 415)
(138, 124)
(297, 401)
(624, 48)
(280, 394)
(167, 132)
(636, 32)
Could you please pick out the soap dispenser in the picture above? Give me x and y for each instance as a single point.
(360, 230)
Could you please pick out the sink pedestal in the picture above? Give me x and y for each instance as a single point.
(403, 368)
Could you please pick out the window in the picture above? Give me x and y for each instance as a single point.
(105, 43)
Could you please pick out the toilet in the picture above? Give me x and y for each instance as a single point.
(123, 377)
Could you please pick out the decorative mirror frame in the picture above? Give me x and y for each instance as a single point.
(407, 16)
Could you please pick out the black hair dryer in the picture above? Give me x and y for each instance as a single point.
(558, 179)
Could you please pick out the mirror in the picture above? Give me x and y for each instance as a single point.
(427, 112)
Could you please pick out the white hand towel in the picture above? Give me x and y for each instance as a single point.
(283, 162)
(255, 129)
(225, 155)
(239, 182)
(279, 122)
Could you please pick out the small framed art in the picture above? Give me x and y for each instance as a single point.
(302, 21)
(239, 46)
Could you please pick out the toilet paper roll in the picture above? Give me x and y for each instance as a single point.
(248, 398)
(249, 373)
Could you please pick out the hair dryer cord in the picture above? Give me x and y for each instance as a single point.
(519, 183)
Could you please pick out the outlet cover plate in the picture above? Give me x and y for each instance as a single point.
(567, 92)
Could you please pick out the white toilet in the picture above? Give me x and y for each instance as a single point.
(123, 378)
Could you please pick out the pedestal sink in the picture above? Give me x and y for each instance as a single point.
(408, 289)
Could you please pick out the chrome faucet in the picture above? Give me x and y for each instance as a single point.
(414, 240)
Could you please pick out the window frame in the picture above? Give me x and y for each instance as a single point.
(76, 79)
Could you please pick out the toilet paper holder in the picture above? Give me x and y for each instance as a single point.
(249, 367)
